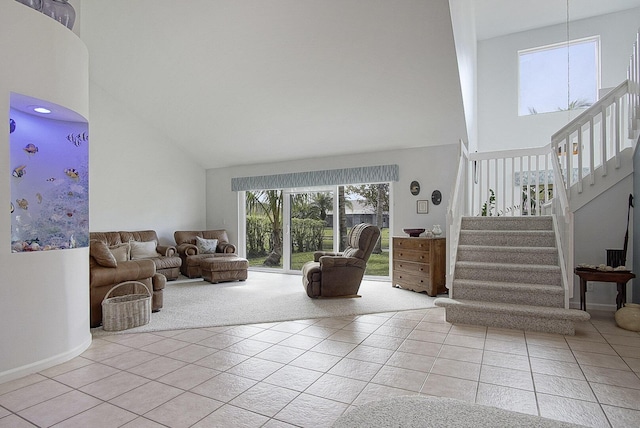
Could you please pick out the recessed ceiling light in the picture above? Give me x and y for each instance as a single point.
(42, 110)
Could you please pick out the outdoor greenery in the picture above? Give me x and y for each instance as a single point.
(309, 229)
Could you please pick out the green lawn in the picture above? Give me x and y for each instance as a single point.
(378, 264)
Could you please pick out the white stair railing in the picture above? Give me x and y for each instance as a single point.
(511, 182)
(599, 134)
(455, 212)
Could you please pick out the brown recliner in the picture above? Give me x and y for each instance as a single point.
(191, 257)
(340, 274)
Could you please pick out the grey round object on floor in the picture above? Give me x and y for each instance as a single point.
(413, 411)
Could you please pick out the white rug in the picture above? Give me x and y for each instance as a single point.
(267, 297)
(414, 411)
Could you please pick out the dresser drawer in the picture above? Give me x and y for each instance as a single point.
(411, 256)
(410, 267)
(411, 281)
(419, 244)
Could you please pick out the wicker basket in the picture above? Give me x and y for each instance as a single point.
(128, 311)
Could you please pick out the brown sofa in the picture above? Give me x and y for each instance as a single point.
(191, 256)
(340, 274)
(105, 272)
(164, 257)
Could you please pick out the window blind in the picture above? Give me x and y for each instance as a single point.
(364, 174)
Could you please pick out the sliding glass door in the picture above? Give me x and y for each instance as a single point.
(285, 227)
(308, 228)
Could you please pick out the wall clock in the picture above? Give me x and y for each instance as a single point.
(415, 188)
(436, 197)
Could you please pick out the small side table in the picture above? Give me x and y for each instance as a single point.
(619, 277)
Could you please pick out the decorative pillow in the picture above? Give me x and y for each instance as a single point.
(100, 252)
(121, 252)
(206, 246)
(143, 250)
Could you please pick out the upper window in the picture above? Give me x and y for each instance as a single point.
(559, 77)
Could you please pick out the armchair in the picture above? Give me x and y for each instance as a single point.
(340, 274)
(186, 245)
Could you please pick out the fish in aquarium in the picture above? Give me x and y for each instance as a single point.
(12, 207)
(72, 173)
(23, 203)
(39, 198)
(31, 148)
(20, 171)
(78, 139)
(51, 179)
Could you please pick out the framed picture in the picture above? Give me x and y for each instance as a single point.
(423, 207)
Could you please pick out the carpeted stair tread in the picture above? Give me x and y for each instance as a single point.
(508, 238)
(507, 286)
(509, 292)
(491, 248)
(508, 254)
(509, 308)
(507, 232)
(508, 223)
(509, 272)
(508, 266)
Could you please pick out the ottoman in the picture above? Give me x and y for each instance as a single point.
(218, 269)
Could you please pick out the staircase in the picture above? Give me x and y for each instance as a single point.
(507, 275)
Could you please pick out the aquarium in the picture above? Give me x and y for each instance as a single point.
(49, 155)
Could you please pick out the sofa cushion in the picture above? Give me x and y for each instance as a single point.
(143, 250)
(101, 254)
(121, 252)
(206, 246)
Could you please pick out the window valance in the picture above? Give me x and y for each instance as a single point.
(364, 174)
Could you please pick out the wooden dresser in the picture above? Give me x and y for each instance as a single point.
(419, 264)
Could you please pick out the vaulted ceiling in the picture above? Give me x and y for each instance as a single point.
(252, 81)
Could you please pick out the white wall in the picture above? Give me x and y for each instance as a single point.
(138, 178)
(499, 126)
(433, 167)
(601, 225)
(464, 34)
(44, 296)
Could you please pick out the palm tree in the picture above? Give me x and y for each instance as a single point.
(270, 203)
(323, 202)
(576, 105)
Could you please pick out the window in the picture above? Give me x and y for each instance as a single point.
(559, 77)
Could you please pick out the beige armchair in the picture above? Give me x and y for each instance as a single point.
(186, 245)
(340, 274)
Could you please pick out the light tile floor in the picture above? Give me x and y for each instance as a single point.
(308, 372)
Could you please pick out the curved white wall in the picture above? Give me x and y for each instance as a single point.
(44, 296)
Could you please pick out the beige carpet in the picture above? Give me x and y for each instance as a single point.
(267, 297)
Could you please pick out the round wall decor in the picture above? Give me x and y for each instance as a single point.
(415, 188)
(436, 197)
